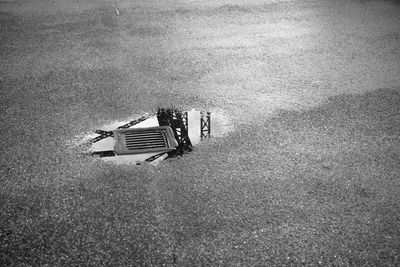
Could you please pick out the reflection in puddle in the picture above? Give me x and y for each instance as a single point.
(197, 124)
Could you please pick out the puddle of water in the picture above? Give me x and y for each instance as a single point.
(220, 125)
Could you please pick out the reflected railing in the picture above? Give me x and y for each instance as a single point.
(178, 120)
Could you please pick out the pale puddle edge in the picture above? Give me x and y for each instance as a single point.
(220, 126)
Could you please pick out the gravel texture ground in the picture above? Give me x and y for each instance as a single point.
(310, 175)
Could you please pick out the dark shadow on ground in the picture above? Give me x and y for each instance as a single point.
(314, 187)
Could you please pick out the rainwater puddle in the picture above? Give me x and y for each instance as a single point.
(217, 125)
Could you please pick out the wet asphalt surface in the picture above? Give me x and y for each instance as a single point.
(308, 176)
